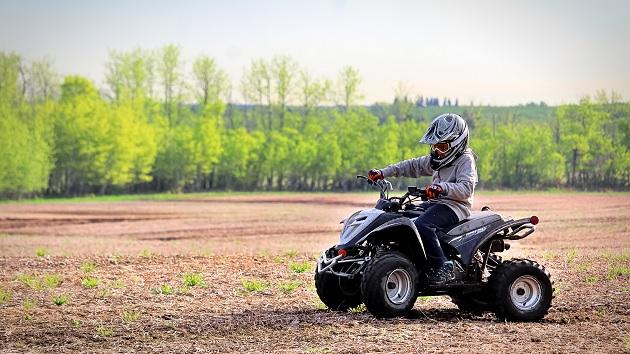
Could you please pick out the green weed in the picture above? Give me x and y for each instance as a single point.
(591, 279)
(194, 279)
(319, 305)
(29, 280)
(146, 254)
(616, 271)
(52, 280)
(104, 331)
(582, 267)
(278, 259)
(571, 255)
(88, 267)
(60, 299)
(626, 343)
(130, 316)
(115, 259)
(358, 309)
(5, 296)
(41, 252)
(548, 255)
(28, 316)
(76, 323)
(118, 284)
(163, 289)
(28, 303)
(183, 290)
(104, 293)
(254, 285)
(299, 267)
(424, 298)
(89, 283)
(289, 287)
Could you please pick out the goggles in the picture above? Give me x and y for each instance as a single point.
(441, 148)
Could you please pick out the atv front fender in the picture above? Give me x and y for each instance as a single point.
(403, 232)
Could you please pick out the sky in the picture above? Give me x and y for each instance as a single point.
(485, 51)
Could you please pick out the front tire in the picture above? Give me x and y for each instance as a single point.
(337, 293)
(390, 285)
(522, 290)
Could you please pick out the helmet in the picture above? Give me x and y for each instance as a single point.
(448, 137)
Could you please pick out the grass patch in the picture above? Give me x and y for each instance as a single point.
(89, 283)
(104, 331)
(358, 309)
(298, 267)
(424, 298)
(118, 284)
(278, 259)
(41, 252)
(5, 296)
(319, 305)
(582, 267)
(571, 256)
(616, 271)
(104, 293)
(191, 279)
(548, 255)
(88, 267)
(254, 285)
(146, 254)
(76, 323)
(28, 304)
(163, 289)
(591, 279)
(289, 286)
(30, 280)
(52, 280)
(60, 299)
(115, 259)
(130, 317)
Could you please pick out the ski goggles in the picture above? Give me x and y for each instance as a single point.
(441, 148)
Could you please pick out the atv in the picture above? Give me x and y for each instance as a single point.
(380, 261)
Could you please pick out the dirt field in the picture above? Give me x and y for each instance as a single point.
(234, 274)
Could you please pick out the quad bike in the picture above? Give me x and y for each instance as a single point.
(380, 261)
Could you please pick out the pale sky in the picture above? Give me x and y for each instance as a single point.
(491, 52)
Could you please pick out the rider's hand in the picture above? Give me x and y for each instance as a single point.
(433, 191)
(375, 175)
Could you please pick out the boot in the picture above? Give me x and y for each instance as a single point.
(442, 275)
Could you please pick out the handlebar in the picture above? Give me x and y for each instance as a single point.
(386, 186)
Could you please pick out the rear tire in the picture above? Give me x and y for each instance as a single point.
(389, 285)
(338, 293)
(522, 290)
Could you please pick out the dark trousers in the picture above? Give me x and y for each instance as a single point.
(436, 216)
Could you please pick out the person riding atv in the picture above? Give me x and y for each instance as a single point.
(452, 164)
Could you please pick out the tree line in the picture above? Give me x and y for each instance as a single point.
(157, 124)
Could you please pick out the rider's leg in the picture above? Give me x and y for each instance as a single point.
(435, 217)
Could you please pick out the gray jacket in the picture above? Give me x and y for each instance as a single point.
(458, 179)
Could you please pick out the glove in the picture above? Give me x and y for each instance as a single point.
(375, 175)
(433, 191)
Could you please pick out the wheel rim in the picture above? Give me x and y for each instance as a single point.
(398, 286)
(526, 292)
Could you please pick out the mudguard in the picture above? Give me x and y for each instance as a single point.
(403, 231)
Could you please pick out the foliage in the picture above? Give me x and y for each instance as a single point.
(191, 279)
(60, 299)
(159, 125)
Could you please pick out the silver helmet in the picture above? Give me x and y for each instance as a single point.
(448, 137)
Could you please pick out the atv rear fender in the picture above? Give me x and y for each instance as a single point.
(510, 230)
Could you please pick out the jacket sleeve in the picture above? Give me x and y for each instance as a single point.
(416, 167)
(466, 179)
